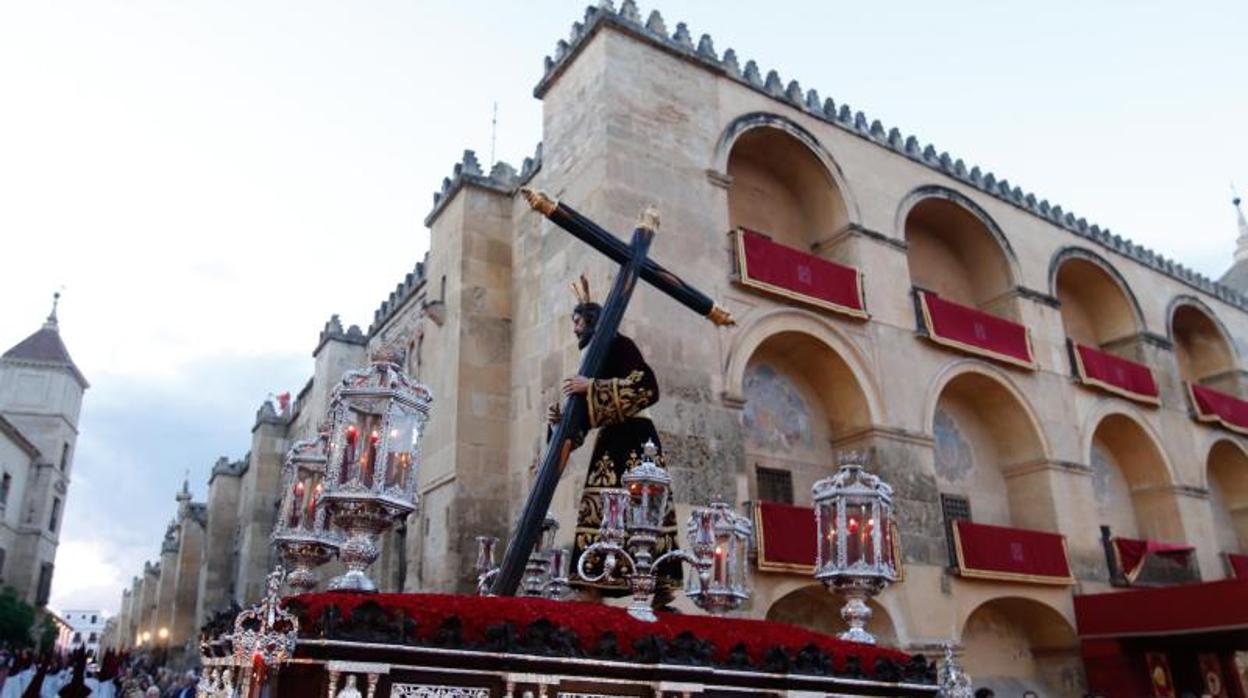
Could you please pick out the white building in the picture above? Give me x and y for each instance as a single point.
(86, 628)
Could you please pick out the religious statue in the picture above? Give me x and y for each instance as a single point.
(349, 690)
(617, 398)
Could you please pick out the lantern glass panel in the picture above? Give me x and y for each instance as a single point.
(614, 503)
(401, 447)
(827, 537)
(741, 553)
(858, 525)
(560, 563)
(485, 553)
(361, 440)
(701, 531)
(546, 541)
(647, 503)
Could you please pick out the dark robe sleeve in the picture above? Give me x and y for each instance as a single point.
(627, 385)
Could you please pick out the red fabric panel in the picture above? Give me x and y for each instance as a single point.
(776, 268)
(786, 537)
(999, 552)
(1214, 406)
(1111, 671)
(1238, 564)
(590, 621)
(1115, 374)
(1160, 610)
(975, 331)
(1131, 553)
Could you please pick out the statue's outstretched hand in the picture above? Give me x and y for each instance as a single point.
(576, 385)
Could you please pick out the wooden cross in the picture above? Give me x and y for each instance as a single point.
(634, 264)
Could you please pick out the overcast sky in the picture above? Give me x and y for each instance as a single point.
(211, 180)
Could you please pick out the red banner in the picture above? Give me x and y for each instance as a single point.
(1238, 565)
(784, 271)
(1011, 554)
(1159, 674)
(975, 332)
(1115, 374)
(786, 537)
(1218, 407)
(1211, 676)
(1132, 553)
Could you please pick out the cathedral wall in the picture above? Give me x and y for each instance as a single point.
(166, 592)
(182, 626)
(216, 575)
(257, 500)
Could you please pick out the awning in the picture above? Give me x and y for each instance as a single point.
(1132, 553)
(1185, 608)
(1238, 565)
(975, 332)
(1011, 554)
(783, 271)
(1218, 407)
(1114, 374)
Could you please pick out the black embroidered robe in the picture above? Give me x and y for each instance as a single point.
(617, 398)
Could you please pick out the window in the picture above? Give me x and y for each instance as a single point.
(77, 638)
(64, 456)
(93, 621)
(955, 507)
(56, 514)
(3, 552)
(774, 485)
(6, 484)
(45, 585)
(92, 638)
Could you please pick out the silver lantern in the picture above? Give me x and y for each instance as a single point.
(853, 517)
(720, 538)
(378, 416)
(545, 574)
(302, 538)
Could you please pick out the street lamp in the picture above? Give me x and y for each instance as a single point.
(377, 419)
(301, 534)
(853, 518)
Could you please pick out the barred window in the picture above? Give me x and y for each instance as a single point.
(774, 485)
(954, 507)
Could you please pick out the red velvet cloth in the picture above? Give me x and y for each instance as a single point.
(1207, 606)
(1214, 406)
(1115, 374)
(1131, 553)
(1012, 554)
(1238, 564)
(590, 621)
(975, 332)
(786, 537)
(775, 268)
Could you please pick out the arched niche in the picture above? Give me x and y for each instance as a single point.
(1015, 644)
(1201, 345)
(1097, 305)
(815, 608)
(956, 250)
(799, 394)
(1228, 495)
(782, 184)
(983, 430)
(1131, 481)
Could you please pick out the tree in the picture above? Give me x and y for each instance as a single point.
(49, 633)
(16, 619)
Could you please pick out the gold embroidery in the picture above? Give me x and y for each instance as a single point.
(613, 400)
(602, 473)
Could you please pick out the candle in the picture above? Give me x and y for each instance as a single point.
(719, 571)
(296, 501)
(348, 453)
(369, 459)
(309, 519)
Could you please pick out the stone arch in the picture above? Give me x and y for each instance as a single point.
(1013, 644)
(783, 182)
(955, 249)
(1098, 305)
(1202, 344)
(813, 607)
(1226, 473)
(985, 432)
(1132, 477)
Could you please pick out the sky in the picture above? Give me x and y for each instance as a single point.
(209, 181)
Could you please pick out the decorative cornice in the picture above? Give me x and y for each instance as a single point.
(333, 331)
(503, 178)
(680, 44)
(1040, 297)
(1150, 338)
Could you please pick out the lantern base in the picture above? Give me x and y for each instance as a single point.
(353, 580)
(856, 612)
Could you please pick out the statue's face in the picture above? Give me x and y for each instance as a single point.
(581, 326)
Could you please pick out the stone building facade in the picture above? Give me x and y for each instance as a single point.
(635, 114)
(41, 392)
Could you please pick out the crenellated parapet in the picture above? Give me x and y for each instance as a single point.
(403, 291)
(503, 178)
(680, 43)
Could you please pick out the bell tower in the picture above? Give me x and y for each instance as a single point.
(41, 393)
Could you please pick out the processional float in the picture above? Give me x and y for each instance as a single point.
(358, 478)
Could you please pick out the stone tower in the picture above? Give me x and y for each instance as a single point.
(1237, 276)
(41, 393)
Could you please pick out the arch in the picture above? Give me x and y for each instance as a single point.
(1013, 644)
(983, 428)
(955, 249)
(783, 182)
(757, 328)
(1226, 473)
(1132, 477)
(1098, 305)
(812, 607)
(1202, 344)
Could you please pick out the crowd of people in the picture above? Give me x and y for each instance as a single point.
(23, 675)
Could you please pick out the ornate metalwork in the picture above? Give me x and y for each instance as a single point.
(413, 690)
(853, 517)
(720, 535)
(545, 575)
(266, 632)
(302, 538)
(377, 418)
(952, 680)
